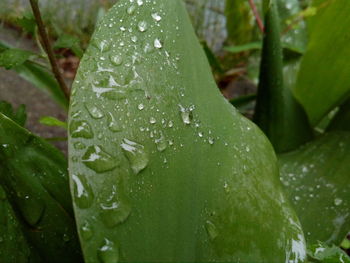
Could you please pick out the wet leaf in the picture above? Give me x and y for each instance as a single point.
(317, 180)
(160, 172)
(19, 116)
(327, 254)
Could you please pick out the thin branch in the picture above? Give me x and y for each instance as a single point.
(48, 48)
(257, 16)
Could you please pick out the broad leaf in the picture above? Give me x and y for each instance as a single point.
(317, 180)
(162, 167)
(324, 79)
(34, 176)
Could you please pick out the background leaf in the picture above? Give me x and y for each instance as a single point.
(13, 57)
(34, 176)
(324, 79)
(317, 180)
(52, 121)
(169, 170)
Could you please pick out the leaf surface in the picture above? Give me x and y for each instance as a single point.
(317, 180)
(324, 79)
(34, 176)
(162, 167)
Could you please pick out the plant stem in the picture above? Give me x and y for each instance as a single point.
(48, 48)
(257, 16)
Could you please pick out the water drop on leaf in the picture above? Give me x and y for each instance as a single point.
(94, 111)
(80, 129)
(136, 155)
(108, 252)
(83, 193)
(97, 159)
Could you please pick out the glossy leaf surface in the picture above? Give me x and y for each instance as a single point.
(34, 176)
(324, 79)
(160, 172)
(327, 254)
(317, 179)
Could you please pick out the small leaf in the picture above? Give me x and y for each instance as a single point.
(13, 57)
(20, 116)
(71, 42)
(28, 23)
(52, 121)
(245, 47)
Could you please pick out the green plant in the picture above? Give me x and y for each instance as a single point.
(162, 167)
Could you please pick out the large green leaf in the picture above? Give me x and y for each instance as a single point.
(156, 175)
(317, 180)
(324, 79)
(34, 176)
(277, 112)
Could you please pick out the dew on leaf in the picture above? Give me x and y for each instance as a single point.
(112, 124)
(156, 17)
(157, 43)
(142, 26)
(86, 231)
(97, 159)
(108, 252)
(211, 230)
(117, 60)
(83, 193)
(80, 129)
(136, 155)
(94, 111)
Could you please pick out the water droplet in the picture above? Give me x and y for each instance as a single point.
(157, 43)
(211, 230)
(297, 198)
(80, 129)
(142, 26)
(152, 120)
(141, 106)
(97, 159)
(115, 209)
(140, 2)
(117, 60)
(104, 46)
(108, 252)
(200, 134)
(170, 124)
(86, 231)
(156, 17)
(161, 144)
(112, 124)
(79, 146)
(134, 39)
(83, 194)
(131, 9)
(186, 114)
(338, 201)
(94, 111)
(136, 155)
(211, 140)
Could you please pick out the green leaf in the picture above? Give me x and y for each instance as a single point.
(20, 116)
(328, 45)
(277, 112)
(52, 121)
(71, 42)
(159, 172)
(317, 180)
(13, 57)
(34, 176)
(42, 79)
(39, 77)
(27, 22)
(326, 254)
(13, 244)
